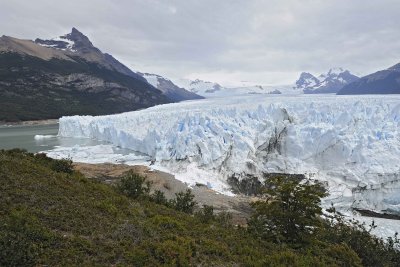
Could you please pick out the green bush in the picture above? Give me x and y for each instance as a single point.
(159, 198)
(134, 185)
(372, 250)
(290, 210)
(206, 214)
(224, 219)
(21, 239)
(184, 201)
(63, 165)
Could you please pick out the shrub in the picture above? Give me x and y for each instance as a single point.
(290, 211)
(372, 250)
(184, 202)
(134, 185)
(224, 219)
(206, 214)
(62, 165)
(159, 198)
(21, 239)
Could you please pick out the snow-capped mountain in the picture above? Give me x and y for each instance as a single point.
(200, 87)
(331, 82)
(169, 89)
(214, 90)
(306, 80)
(381, 82)
(77, 44)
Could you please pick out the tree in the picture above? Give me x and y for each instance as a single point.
(289, 211)
(159, 198)
(134, 185)
(206, 214)
(184, 201)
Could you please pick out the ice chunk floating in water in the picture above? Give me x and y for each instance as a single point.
(41, 137)
(351, 142)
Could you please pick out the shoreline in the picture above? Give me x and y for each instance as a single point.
(238, 206)
(29, 123)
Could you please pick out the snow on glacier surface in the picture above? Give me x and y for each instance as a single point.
(350, 142)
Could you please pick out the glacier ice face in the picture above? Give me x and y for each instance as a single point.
(350, 142)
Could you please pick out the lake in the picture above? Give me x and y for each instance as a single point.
(23, 136)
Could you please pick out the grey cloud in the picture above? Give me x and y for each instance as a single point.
(223, 40)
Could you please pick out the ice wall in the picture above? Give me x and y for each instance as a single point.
(352, 142)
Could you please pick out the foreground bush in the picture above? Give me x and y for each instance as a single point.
(290, 210)
(184, 202)
(134, 185)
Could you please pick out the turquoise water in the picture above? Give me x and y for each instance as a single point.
(24, 137)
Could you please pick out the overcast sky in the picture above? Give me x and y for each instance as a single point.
(227, 41)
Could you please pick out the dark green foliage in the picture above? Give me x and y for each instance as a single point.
(159, 198)
(21, 239)
(372, 250)
(206, 214)
(59, 219)
(224, 219)
(63, 165)
(134, 185)
(290, 211)
(184, 202)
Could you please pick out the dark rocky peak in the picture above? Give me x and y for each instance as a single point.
(198, 81)
(335, 71)
(81, 41)
(74, 42)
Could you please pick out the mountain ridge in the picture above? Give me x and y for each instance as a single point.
(331, 82)
(171, 90)
(68, 75)
(381, 82)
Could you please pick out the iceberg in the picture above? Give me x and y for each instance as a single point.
(351, 143)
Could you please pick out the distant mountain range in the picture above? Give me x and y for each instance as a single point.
(46, 79)
(331, 82)
(381, 82)
(169, 89)
(209, 89)
(200, 87)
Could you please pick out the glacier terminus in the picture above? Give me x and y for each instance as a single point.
(351, 143)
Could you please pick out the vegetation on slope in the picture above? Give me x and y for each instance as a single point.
(51, 215)
(32, 89)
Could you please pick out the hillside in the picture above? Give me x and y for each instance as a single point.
(32, 88)
(51, 216)
(381, 82)
(169, 89)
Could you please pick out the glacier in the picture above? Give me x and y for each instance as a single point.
(351, 143)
